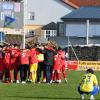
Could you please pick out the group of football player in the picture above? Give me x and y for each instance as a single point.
(36, 64)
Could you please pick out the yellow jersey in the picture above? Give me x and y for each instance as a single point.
(87, 82)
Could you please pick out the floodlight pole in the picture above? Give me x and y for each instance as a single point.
(87, 32)
(25, 20)
(24, 40)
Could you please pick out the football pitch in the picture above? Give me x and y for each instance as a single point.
(62, 91)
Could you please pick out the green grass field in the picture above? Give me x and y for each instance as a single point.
(63, 91)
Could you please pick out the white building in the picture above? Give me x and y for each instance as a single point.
(82, 26)
(42, 12)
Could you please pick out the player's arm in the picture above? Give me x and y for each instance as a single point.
(95, 82)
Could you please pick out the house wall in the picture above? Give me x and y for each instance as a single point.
(76, 31)
(45, 11)
(79, 29)
(36, 28)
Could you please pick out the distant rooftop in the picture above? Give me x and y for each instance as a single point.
(50, 26)
(80, 3)
(12, 0)
(83, 13)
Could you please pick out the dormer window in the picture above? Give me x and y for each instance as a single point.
(31, 15)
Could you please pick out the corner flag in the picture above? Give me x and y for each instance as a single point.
(8, 20)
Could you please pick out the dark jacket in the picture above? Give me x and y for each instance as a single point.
(49, 56)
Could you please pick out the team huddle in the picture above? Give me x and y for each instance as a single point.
(34, 64)
(41, 63)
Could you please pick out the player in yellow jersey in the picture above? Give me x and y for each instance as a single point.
(88, 84)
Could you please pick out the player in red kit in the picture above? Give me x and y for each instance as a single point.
(56, 69)
(1, 65)
(24, 63)
(14, 51)
(63, 62)
(7, 64)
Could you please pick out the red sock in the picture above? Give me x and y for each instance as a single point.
(58, 76)
(10, 75)
(64, 75)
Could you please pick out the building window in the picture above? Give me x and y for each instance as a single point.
(30, 33)
(60, 28)
(50, 33)
(31, 15)
(47, 34)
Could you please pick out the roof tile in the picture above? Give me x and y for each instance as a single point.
(79, 3)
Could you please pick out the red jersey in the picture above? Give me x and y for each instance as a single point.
(63, 61)
(33, 56)
(61, 54)
(14, 54)
(24, 56)
(7, 60)
(57, 61)
(1, 61)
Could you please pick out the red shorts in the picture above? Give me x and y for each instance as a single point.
(1, 68)
(56, 67)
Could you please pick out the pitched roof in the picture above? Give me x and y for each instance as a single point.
(83, 13)
(50, 26)
(79, 3)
